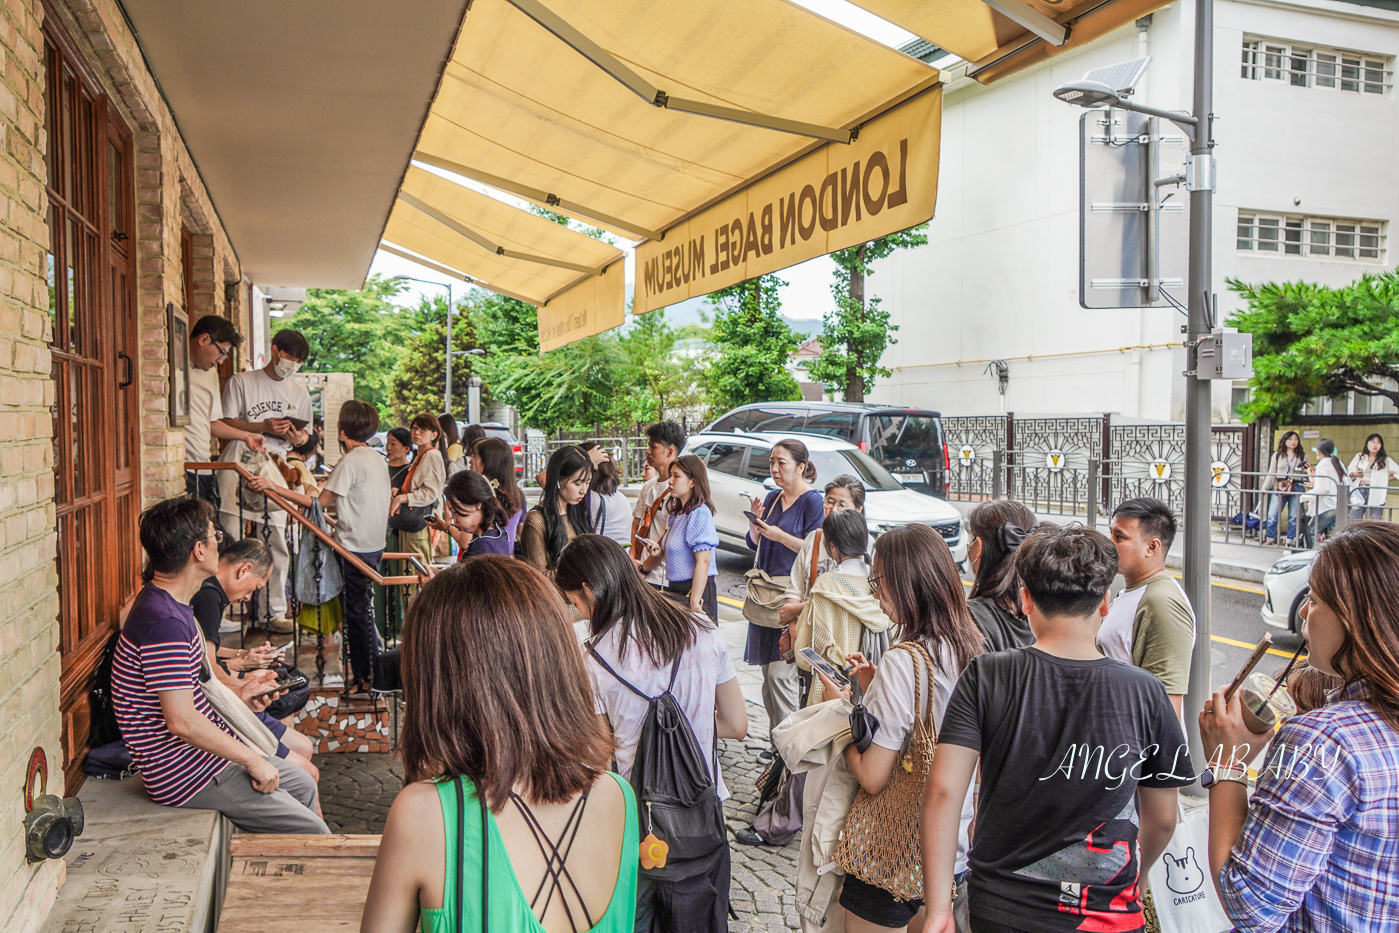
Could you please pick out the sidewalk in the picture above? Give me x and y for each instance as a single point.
(1248, 562)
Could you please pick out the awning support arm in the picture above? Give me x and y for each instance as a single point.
(535, 194)
(427, 263)
(453, 273)
(487, 244)
(653, 95)
(1023, 14)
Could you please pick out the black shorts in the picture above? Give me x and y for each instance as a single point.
(876, 905)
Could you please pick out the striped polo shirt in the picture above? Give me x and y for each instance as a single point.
(161, 649)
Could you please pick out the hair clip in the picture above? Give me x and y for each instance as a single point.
(495, 484)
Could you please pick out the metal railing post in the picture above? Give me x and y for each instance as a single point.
(997, 479)
(1092, 493)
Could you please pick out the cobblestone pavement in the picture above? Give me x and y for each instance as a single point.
(357, 790)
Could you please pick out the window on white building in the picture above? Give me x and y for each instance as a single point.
(1295, 235)
(1307, 66)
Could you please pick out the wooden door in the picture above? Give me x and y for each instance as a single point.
(92, 311)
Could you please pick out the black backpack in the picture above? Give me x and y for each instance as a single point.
(677, 796)
(104, 729)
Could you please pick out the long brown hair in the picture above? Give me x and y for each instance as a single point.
(1356, 573)
(917, 572)
(495, 686)
(660, 629)
(996, 578)
(694, 468)
(498, 463)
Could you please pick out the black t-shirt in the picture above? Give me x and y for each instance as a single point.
(208, 605)
(396, 475)
(1002, 630)
(1064, 746)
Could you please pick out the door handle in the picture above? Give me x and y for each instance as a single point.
(130, 370)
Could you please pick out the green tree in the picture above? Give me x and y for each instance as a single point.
(856, 331)
(754, 346)
(660, 383)
(356, 332)
(1310, 340)
(575, 386)
(420, 381)
(572, 387)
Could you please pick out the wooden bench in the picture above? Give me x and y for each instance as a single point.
(278, 883)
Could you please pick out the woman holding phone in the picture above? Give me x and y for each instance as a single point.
(785, 517)
(493, 459)
(920, 589)
(477, 521)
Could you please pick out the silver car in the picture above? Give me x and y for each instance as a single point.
(738, 469)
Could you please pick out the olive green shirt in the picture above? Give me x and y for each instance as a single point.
(1163, 633)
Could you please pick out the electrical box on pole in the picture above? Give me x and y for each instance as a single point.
(1221, 355)
(1134, 219)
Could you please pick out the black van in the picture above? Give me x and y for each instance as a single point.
(908, 442)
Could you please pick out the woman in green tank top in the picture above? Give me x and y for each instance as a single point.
(509, 820)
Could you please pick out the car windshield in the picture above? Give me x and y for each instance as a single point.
(832, 463)
(901, 435)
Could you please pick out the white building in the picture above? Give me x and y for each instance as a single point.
(1307, 129)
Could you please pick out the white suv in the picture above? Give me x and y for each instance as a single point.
(738, 468)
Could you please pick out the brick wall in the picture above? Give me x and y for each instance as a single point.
(167, 187)
(29, 662)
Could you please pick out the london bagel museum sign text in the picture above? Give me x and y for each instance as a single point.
(832, 198)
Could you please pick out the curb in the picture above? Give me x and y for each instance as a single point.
(1228, 570)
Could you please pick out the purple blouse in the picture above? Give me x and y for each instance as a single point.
(804, 517)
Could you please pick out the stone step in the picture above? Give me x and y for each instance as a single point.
(139, 867)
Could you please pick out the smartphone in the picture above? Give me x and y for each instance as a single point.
(752, 516)
(291, 683)
(1264, 644)
(418, 565)
(830, 670)
(297, 423)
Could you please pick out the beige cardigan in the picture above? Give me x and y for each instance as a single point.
(838, 610)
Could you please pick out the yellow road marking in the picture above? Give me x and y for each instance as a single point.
(1251, 645)
(737, 604)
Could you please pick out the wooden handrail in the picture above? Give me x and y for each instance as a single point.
(295, 512)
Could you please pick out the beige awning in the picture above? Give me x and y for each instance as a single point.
(755, 128)
(1001, 37)
(499, 246)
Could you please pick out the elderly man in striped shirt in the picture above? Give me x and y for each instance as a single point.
(188, 755)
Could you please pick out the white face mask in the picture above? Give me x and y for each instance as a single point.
(287, 368)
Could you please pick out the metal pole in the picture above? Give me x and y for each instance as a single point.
(447, 393)
(1197, 391)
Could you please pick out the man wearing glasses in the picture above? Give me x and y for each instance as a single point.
(269, 403)
(210, 341)
(189, 755)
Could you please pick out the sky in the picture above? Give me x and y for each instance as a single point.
(808, 294)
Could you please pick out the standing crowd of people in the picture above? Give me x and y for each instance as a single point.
(1311, 492)
(1002, 759)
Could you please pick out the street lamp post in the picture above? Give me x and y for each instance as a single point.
(1199, 129)
(447, 390)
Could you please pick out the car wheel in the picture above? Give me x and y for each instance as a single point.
(1294, 618)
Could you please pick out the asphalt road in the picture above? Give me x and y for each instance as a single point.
(1236, 623)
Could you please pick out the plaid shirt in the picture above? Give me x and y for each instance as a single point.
(1320, 848)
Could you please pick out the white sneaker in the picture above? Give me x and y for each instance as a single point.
(280, 625)
(229, 625)
(333, 680)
